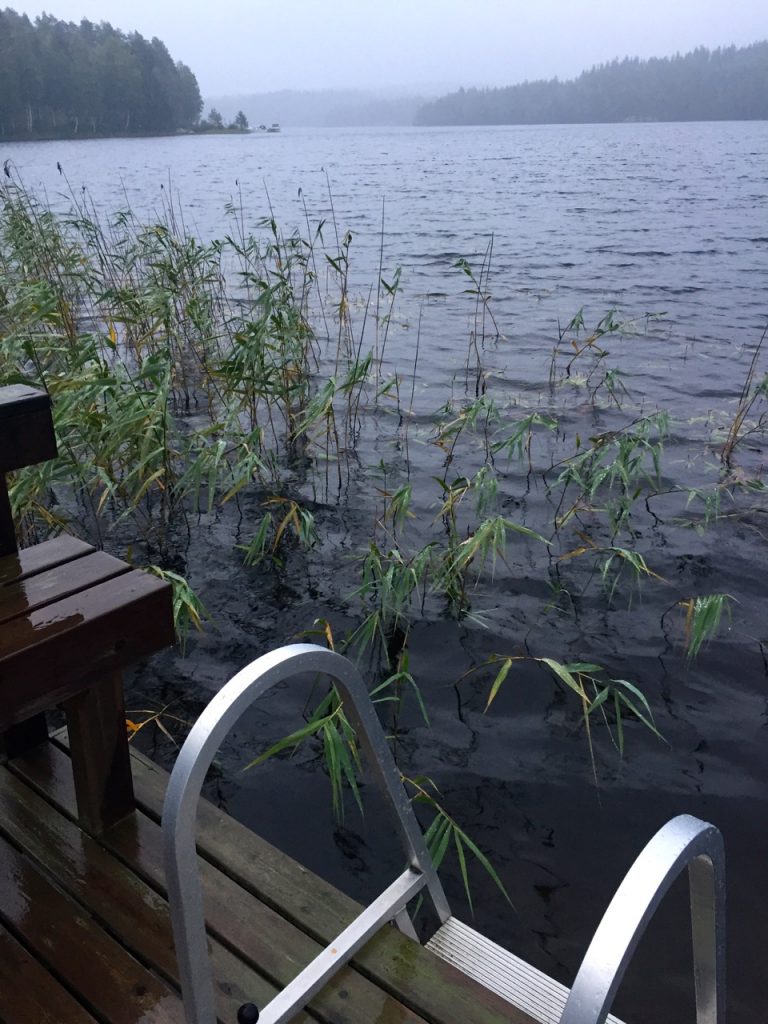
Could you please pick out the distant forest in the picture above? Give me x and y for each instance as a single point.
(61, 80)
(705, 85)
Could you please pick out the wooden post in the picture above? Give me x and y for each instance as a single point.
(98, 743)
(26, 437)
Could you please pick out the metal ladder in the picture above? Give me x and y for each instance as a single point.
(683, 842)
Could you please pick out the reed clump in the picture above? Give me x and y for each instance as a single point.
(190, 377)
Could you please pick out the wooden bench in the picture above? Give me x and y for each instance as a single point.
(71, 618)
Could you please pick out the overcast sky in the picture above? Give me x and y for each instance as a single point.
(240, 46)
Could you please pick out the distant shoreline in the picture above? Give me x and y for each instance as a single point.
(724, 84)
(15, 140)
(98, 136)
(588, 124)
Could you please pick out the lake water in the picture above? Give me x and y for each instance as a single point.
(646, 219)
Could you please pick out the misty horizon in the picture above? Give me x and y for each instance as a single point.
(428, 51)
(704, 84)
(426, 91)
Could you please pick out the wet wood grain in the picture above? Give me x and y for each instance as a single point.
(51, 653)
(56, 583)
(111, 983)
(132, 911)
(259, 935)
(42, 557)
(272, 888)
(29, 994)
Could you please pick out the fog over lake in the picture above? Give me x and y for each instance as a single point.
(432, 46)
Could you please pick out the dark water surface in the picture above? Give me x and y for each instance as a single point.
(666, 219)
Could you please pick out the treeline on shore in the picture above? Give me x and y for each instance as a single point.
(60, 80)
(704, 85)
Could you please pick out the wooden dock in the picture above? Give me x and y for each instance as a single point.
(85, 936)
(85, 932)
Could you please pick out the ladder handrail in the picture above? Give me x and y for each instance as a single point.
(683, 842)
(183, 793)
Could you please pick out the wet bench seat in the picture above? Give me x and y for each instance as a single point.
(71, 618)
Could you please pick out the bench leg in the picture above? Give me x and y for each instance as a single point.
(18, 739)
(98, 741)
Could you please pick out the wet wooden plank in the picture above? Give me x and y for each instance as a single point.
(42, 557)
(122, 599)
(258, 934)
(131, 910)
(17, 571)
(410, 974)
(110, 982)
(49, 654)
(29, 994)
(431, 986)
(51, 585)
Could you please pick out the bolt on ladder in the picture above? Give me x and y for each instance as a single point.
(684, 842)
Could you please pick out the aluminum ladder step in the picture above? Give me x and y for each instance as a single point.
(502, 972)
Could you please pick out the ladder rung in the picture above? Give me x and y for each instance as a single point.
(304, 986)
(502, 972)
